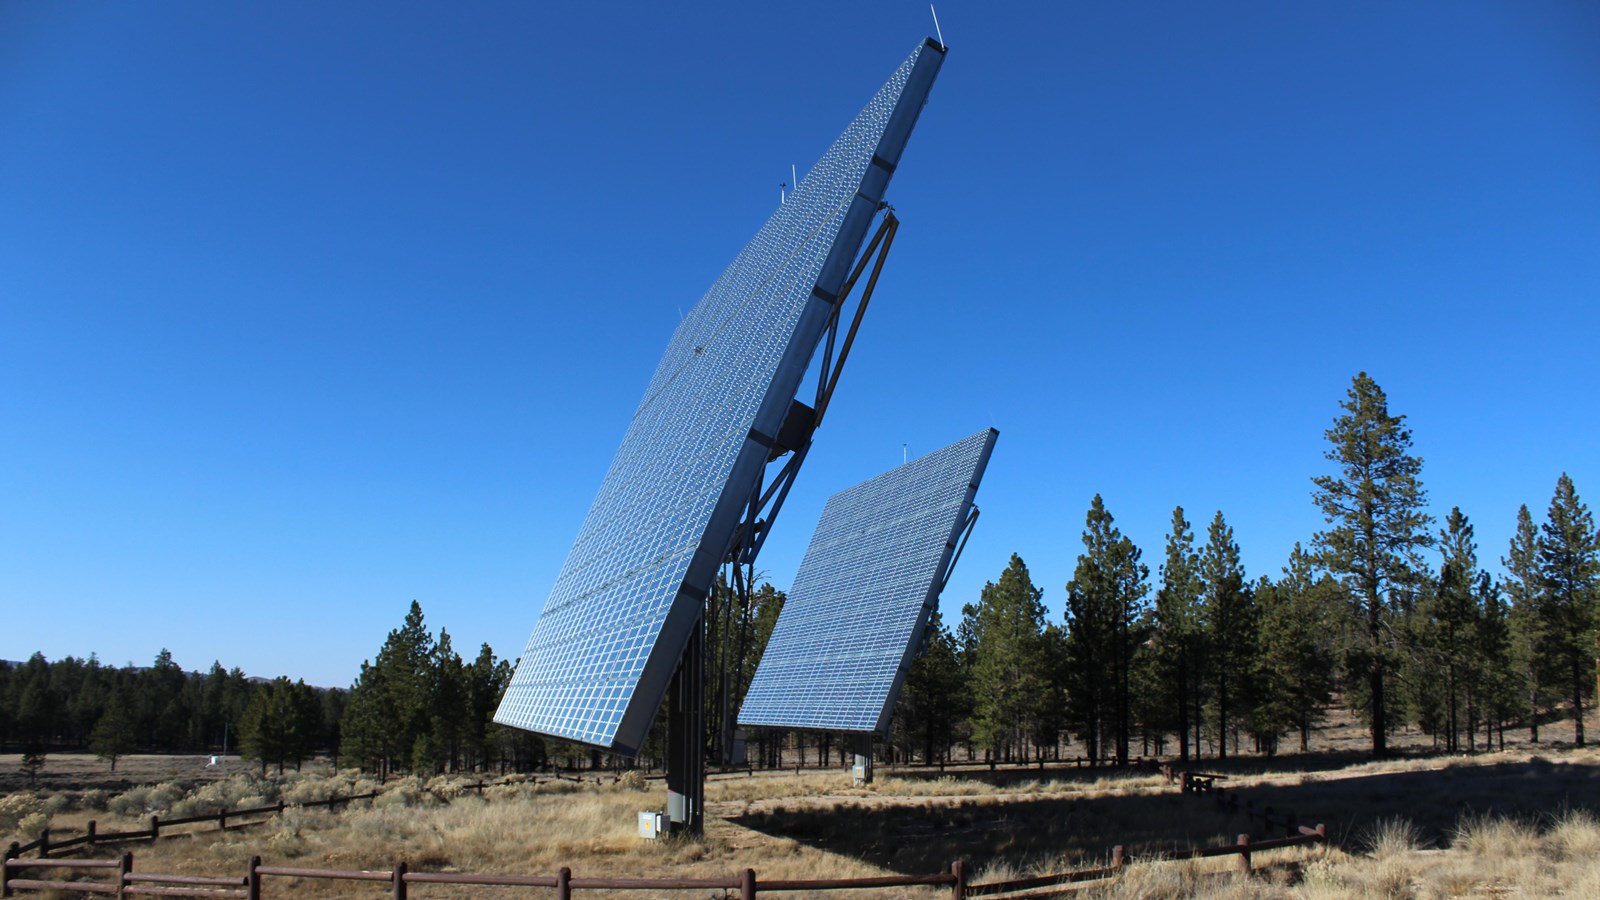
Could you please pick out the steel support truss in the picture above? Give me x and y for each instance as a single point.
(686, 709)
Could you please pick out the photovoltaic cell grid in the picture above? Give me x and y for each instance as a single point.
(862, 598)
(667, 499)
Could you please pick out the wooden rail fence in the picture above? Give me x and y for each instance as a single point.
(47, 842)
(126, 882)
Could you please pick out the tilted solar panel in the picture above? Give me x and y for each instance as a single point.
(629, 594)
(859, 604)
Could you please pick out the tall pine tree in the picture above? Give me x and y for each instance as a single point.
(1177, 645)
(1105, 598)
(1374, 505)
(1009, 679)
(1524, 589)
(1228, 613)
(1569, 570)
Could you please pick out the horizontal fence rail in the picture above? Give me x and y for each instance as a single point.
(15, 872)
(125, 881)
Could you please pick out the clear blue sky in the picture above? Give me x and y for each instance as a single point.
(307, 310)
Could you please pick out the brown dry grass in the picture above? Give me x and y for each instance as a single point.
(1513, 824)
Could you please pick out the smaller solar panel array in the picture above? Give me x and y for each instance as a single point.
(855, 616)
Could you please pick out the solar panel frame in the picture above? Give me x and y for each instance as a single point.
(600, 658)
(866, 588)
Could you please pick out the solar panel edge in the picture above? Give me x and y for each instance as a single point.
(932, 600)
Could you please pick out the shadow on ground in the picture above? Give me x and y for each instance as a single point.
(917, 835)
(1436, 800)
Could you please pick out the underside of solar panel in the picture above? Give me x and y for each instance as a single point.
(860, 604)
(629, 595)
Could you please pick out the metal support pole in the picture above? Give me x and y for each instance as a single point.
(686, 739)
(861, 773)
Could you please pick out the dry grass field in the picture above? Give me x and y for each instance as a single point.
(1518, 823)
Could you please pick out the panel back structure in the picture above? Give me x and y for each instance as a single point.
(860, 604)
(630, 593)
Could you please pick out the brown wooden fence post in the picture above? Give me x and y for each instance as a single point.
(222, 819)
(564, 884)
(44, 843)
(1119, 857)
(400, 880)
(958, 891)
(747, 884)
(124, 866)
(5, 870)
(155, 827)
(252, 880)
(90, 836)
(1244, 853)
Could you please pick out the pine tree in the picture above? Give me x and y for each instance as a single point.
(388, 708)
(1374, 505)
(1105, 600)
(113, 735)
(281, 724)
(1299, 619)
(1228, 616)
(1009, 679)
(447, 725)
(1569, 571)
(1497, 678)
(1524, 589)
(33, 758)
(483, 697)
(1453, 624)
(1177, 645)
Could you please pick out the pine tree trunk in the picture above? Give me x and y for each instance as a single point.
(1577, 698)
(1183, 720)
(1380, 731)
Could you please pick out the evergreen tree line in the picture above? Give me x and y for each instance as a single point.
(1204, 660)
(75, 704)
(1198, 660)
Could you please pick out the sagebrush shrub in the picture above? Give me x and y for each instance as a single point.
(22, 816)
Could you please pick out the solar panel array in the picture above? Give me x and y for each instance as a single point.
(860, 603)
(629, 594)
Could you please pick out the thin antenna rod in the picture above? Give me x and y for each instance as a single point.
(903, 454)
(783, 196)
(794, 177)
(936, 27)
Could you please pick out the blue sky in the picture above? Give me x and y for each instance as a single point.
(308, 311)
